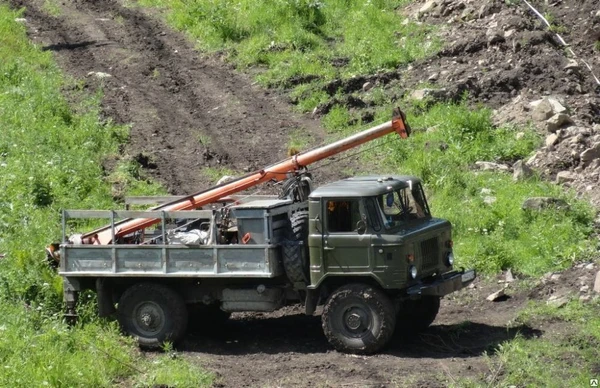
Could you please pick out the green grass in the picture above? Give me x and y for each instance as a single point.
(302, 44)
(500, 235)
(338, 117)
(51, 7)
(216, 173)
(565, 356)
(298, 140)
(37, 350)
(127, 179)
(50, 158)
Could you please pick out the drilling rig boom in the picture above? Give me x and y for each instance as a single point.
(277, 171)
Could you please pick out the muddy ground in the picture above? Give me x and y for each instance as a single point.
(288, 349)
(188, 112)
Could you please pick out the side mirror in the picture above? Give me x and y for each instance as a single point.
(361, 227)
(318, 224)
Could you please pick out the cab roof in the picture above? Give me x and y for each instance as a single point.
(364, 186)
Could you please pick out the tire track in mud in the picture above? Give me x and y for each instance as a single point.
(186, 112)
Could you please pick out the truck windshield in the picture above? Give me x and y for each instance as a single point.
(404, 205)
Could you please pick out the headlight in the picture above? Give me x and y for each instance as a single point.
(450, 259)
(413, 271)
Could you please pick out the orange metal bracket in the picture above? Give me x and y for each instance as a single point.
(246, 238)
(399, 124)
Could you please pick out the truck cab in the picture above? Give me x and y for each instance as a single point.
(379, 228)
(380, 258)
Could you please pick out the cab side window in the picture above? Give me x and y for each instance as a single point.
(342, 216)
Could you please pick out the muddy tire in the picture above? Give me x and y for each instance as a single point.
(295, 249)
(359, 319)
(418, 315)
(153, 313)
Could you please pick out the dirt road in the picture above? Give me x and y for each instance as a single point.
(188, 112)
(287, 348)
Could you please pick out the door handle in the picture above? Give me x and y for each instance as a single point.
(329, 248)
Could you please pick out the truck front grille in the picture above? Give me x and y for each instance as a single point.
(430, 253)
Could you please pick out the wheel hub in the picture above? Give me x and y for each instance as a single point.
(356, 320)
(149, 318)
(353, 321)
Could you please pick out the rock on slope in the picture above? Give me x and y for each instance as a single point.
(503, 55)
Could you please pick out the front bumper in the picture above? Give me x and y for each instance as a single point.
(444, 285)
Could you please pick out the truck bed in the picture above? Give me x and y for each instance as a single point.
(260, 261)
(260, 258)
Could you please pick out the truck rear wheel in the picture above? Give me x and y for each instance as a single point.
(153, 313)
(418, 315)
(295, 249)
(358, 318)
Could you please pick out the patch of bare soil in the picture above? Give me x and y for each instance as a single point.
(186, 112)
(288, 349)
(497, 50)
(502, 55)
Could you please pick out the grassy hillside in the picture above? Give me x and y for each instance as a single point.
(303, 46)
(567, 358)
(491, 230)
(51, 158)
(51, 153)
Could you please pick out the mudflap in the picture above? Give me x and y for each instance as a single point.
(311, 301)
(444, 285)
(106, 307)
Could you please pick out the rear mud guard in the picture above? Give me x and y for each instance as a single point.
(311, 302)
(106, 307)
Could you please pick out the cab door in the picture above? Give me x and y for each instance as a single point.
(344, 249)
(388, 250)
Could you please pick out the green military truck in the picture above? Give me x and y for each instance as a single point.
(367, 249)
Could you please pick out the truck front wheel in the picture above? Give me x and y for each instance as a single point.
(153, 313)
(358, 318)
